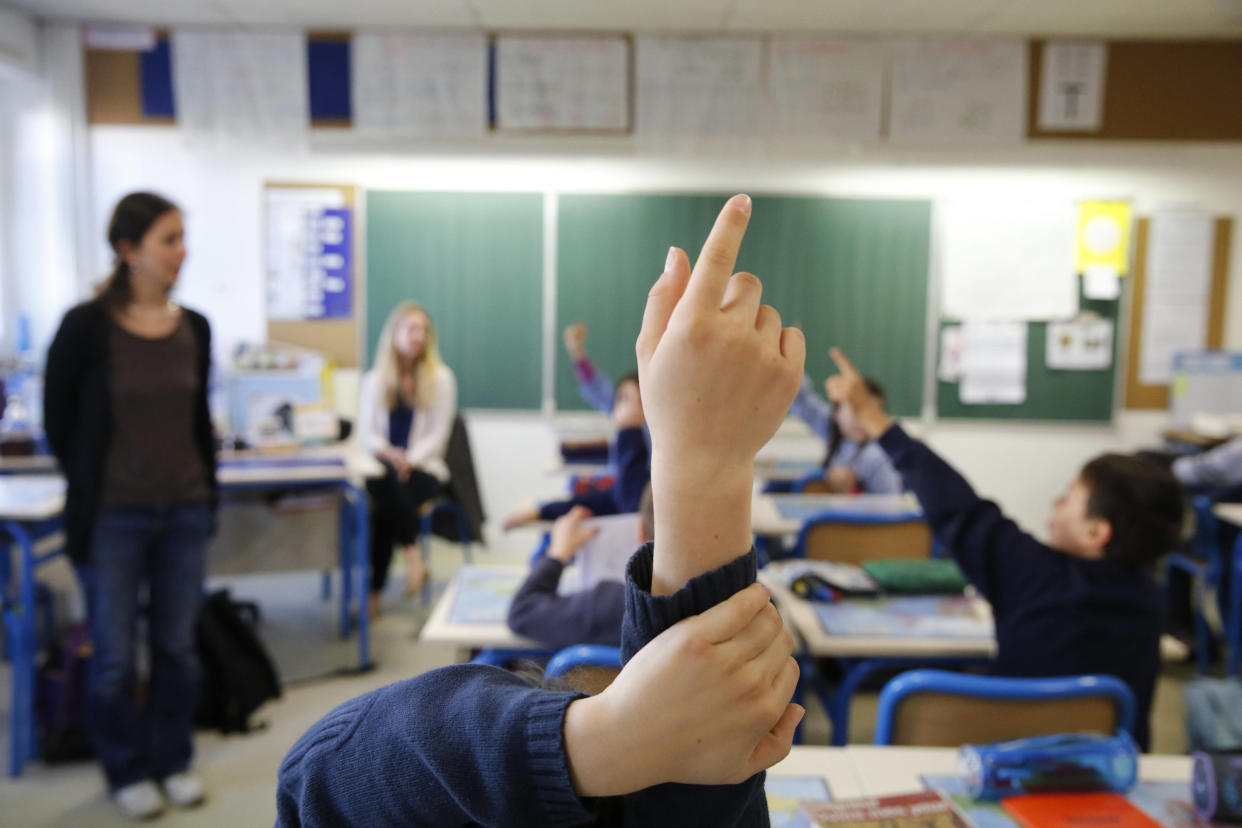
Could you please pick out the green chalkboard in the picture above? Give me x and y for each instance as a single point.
(1054, 396)
(850, 272)
(475, 260)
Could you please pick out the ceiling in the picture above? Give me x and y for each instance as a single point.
(1114, 19)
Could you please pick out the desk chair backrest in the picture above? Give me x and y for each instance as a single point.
(854, 538)
(587, 668)
(812, 483)
(935, 708)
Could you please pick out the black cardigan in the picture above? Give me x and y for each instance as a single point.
(77, 413)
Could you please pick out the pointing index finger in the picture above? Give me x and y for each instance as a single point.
(843, 362)
(715, 264)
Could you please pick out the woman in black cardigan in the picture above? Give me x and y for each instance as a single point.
(125, 410)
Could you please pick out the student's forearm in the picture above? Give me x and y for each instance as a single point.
(701, 523)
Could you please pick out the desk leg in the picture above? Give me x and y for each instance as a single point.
(362, 564)
(345, 553)
(1234, 633)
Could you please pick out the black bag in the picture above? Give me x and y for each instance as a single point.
(238, 674)
(60, 698)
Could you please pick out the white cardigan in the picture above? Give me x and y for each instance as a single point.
(432, 427)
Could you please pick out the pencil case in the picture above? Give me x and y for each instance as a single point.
(1216, 786)
(1050, 764)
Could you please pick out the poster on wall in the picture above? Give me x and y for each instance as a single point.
(309, 254)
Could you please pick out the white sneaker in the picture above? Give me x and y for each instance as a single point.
(141, 800)
(185, 790)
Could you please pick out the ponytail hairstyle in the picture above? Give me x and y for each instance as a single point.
(387, 365)
(834, 431)
(131, 219)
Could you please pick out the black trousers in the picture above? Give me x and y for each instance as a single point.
(394, 515)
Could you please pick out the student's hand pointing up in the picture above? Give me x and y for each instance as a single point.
(848, 388)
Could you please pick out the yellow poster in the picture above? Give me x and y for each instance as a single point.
(1103, 237)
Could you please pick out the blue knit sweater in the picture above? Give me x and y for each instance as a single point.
(472, 744)
(1056, 615)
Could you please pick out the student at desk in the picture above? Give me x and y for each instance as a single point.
(1085, 602)
(701, 707)
(1219, 467)
(405, 418)
(125, 410)
(630, 450)
(589, 616)
(854, 463)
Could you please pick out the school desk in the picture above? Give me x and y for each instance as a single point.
(472, 612)
(1232, 513)
(877, 634)
(784, 514)
(30, 511)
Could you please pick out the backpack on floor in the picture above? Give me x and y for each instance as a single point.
(238, 673)
(60, 698)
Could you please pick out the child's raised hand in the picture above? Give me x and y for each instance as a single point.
(705, 702)
(575, 340)
(849, 388)
(568, 534)
(718, 375)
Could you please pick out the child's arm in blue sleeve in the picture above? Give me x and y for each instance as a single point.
(590, 616)
(599, 503)
(1221, 466)
(973, 529)
(876, 474)
(811, 408)
(467, 744)
(632, 460)
(594, 386)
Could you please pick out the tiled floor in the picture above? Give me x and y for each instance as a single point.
(241, 770)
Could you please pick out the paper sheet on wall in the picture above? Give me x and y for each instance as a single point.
(950, 369)
(958, 91)
(548, 83)
(420, 85)
(1175, 302)
(1079, 345)
(993, 363)
(603, 557)
(826, 87)
(691, 89)
(295, 272)
(1007, 259)
(1071, 85)
(249, 84)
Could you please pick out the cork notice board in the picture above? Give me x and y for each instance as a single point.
(1157, 396)
(340, 337)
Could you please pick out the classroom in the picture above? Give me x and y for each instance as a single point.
(428, 276)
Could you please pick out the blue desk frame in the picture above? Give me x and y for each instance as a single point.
(19, 621)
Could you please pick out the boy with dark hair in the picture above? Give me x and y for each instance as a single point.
(1085, 602)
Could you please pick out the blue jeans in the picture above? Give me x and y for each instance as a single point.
(162, 548)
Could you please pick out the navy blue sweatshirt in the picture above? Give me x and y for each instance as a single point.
(1056, 615)
(632, 460)
(473, 744)
(589, 616)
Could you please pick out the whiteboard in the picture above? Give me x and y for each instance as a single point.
(826, 87)
(423, 85)
(698, 87)
(1007, 258)
(562, 83)
(958, 91)
(251, 84)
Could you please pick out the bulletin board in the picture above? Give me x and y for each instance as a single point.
(1143, 396)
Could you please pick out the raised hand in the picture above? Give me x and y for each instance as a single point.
(575, 340)
(568, 534)
(848, 388)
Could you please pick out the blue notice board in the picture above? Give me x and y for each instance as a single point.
(334, 236)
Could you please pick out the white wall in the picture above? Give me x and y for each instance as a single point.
(1022, 465)
(19, 42)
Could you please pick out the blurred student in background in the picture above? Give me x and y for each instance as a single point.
(125, 410)
(406, 412)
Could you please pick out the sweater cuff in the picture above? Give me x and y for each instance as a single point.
(549, 763)
(647, 615)
(585, 369)
(895, 442)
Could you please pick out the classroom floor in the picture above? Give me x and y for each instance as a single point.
(240, 771)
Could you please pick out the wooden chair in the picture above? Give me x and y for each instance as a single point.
(853, 538)
(935, 708)
(587, 668)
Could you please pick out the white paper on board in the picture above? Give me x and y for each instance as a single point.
(826, 87)
(698, 87)
(1071, 85)
(1175, 301)
(1007, 259)
(950, 369)
(993, 363)
(1080, 346)
(1102, 283)
(603, 557)
(955, 91)
(559, 83)
(421, 85)
(290, 252)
